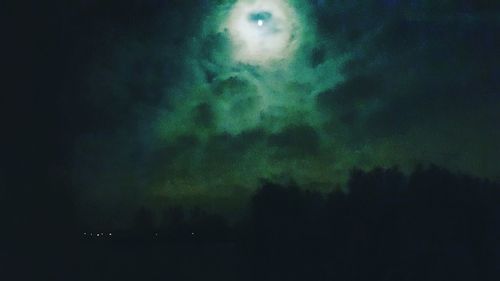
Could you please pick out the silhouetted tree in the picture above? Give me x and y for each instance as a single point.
(144, 223)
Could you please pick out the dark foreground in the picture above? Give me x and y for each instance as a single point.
(431, 225)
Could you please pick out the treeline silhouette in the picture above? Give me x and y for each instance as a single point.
(429, 225)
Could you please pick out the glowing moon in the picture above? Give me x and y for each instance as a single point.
(262, 31)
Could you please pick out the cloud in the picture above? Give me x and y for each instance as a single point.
(177, 114)
(296, 141)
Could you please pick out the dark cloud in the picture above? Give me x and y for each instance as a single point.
(353, 102)
(168, 160)
(318, 56)
(225, 148)
(233, 86)
(296, 141)
(203, 115)
(412, 72)
(352, 91)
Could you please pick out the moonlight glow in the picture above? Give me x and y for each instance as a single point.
(263, 31)
(199, 108)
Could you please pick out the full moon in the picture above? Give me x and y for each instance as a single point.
(263, 31)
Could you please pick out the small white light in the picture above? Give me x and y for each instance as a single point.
(192, 233)
(263, 31)
(97, 234)
(110, 234)
(85, 233)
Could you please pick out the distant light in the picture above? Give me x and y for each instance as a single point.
(192, 233)
(110, 234)
(97, 234)
(85, 233)
(260, 22)
(90, 234)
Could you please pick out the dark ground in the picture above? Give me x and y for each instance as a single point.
(431, 225)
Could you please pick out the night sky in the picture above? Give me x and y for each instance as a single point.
(159, 103)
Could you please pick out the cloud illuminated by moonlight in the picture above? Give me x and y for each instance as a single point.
(263, 31)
